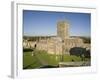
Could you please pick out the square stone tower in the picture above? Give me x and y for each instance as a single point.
(63, 30)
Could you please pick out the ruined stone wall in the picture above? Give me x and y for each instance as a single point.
(29, 44)
(42, 45)
(54, 46)
(73, 42)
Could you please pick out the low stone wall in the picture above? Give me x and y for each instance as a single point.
(74, 64)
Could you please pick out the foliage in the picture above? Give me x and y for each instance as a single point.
(27, 50)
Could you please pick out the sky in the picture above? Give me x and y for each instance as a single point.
(44, 23)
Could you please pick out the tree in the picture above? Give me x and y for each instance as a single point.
(78, 51)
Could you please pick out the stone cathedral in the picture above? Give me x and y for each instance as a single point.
(60, 44)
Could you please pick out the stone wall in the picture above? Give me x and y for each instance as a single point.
(52, 46)
(63, 29)
(57, 45)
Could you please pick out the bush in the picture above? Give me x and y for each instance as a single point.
(27, 50)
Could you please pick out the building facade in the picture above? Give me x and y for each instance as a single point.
(60, 44)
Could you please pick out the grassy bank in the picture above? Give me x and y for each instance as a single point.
(37, 59)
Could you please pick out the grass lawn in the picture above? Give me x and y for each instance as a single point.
(29, 61)
(42, 58)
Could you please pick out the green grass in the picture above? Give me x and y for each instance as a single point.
(48, 58)
(42, 58)
(29, 61)
(68, 58)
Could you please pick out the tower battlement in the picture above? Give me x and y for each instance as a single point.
(63, 29)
